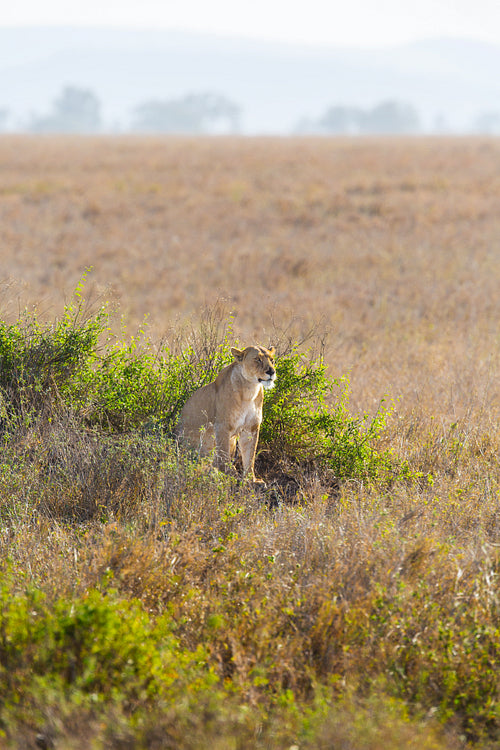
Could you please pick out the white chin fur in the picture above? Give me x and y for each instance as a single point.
(268, 384)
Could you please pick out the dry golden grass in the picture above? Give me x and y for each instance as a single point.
(393, 247)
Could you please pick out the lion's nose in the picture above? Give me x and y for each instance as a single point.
(270, 371)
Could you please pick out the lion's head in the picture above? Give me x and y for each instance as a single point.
(257, 364)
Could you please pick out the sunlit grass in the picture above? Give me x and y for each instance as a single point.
(362, 611)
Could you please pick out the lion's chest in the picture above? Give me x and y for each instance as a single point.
(247, 417)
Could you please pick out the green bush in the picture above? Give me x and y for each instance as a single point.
(72, 363)
(38, 362)
(307, 422)
(98, 644)
(135, 387)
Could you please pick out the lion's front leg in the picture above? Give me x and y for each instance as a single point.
(224, 448)
(248, 446)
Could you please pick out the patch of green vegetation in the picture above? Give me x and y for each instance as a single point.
(97, 645)
(307, 423)
(104, 661)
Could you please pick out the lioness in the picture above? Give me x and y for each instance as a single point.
(230, 409)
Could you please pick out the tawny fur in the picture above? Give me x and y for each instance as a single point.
(229, 410)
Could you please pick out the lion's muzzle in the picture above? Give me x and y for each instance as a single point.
(269, 381)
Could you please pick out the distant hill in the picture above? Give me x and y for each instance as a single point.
(275, 84)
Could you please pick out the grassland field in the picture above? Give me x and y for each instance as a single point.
(367, 613)
(391, 245)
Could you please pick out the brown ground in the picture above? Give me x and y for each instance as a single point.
(392, 245)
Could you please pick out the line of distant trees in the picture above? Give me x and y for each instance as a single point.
(75, 110)
(194, 113)
(78, 110)
(387, 117)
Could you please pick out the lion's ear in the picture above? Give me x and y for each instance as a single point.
(237, 353)
(271, 350)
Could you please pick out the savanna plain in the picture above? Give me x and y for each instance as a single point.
(147, 601)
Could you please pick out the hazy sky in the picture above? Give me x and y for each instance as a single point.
(351, 22)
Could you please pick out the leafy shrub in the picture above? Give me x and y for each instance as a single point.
(135, 387)
(97, 645)
(73, 364)
(38, 362)
(136, 384)
(307, 422)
